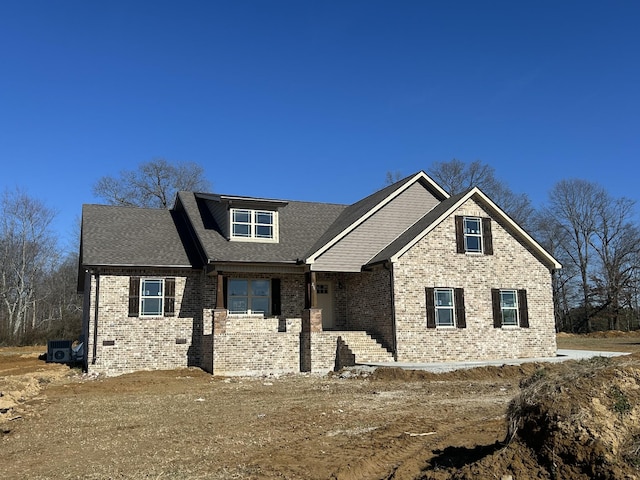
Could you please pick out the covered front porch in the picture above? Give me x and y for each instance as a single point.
(305, 321)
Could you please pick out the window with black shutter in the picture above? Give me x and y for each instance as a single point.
(445, 307)
(473, 235)
(152, 297)
(510, 308)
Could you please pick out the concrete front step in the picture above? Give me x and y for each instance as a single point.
(365, 348)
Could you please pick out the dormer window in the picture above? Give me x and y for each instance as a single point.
(249, 224)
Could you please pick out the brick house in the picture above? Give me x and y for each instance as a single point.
(243, 285)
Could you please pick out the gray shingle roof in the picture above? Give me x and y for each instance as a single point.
(113, 235)
(301, 223)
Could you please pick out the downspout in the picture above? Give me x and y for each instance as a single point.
(394, 347)
(95, 321)
(86, 310)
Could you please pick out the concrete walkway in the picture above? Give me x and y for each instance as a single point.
(562, 355)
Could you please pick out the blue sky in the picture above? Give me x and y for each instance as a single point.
(316, 100)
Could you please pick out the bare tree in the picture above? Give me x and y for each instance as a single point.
(456, 176)
(553, 238)
(616, 242)
(28, 250)
(60, 309)
(574, 205)
(392, 177)
(154, 184)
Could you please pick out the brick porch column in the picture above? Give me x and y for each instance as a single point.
(220, 320)
(311, 323)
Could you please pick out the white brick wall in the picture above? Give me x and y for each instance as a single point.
(433, 262)
(125, 344)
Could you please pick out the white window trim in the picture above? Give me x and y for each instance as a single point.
(452, 307)
(252, 226)
(466, 235)
(142, 297)
(516, 308)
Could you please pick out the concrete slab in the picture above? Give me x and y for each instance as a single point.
(562, 356)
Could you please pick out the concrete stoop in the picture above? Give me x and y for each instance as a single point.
(365, 348)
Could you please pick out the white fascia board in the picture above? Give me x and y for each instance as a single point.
(431, 226)
(433, 183)
(497, 211)
(556, 265)
(361, 220)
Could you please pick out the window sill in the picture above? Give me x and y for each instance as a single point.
(253, 240)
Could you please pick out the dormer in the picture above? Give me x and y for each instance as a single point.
(246, 219)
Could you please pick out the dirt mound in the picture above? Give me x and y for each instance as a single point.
(578, 420)
(476, 373)
(23, 375)
(601, 334)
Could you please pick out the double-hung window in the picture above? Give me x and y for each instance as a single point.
(473, 235)
(510, 308)
(445, 307)
(151, 297)
(445, 316)
(249, 296)
(249, 224)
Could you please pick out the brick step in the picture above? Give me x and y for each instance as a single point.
(365, 348)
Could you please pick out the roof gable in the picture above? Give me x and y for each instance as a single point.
(432, 219)
(359, 212)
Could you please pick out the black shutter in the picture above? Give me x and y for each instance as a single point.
(169, 297)
(497, 311)
(276, 308)
(461, 317)
(487, 239)
(134, 296)
(460, 234)
(523, 309)
(431, 307)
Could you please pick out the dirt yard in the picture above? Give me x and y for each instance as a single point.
(56, 422)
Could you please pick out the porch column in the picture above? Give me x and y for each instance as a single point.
(312, 315)
(220, 292)
(311, 295)
(220, 313)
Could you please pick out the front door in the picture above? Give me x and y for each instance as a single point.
(324, 291)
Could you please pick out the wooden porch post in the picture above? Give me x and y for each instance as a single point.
(311, 296)
(220, 292)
